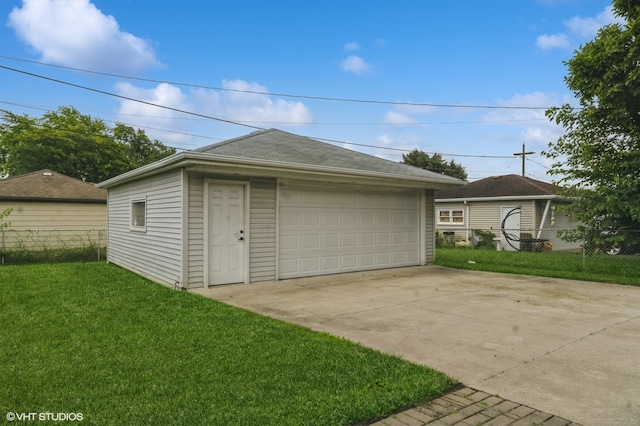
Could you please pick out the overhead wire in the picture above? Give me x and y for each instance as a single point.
(104, 92)
(238, 123)
(285, 95)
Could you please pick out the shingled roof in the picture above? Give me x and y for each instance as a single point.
(500, 186)
(277, 154)
(277, 145)
(47, 185)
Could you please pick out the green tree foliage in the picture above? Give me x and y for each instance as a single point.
(3, 214)
(599, 153)
(73, 144)
(434, 163)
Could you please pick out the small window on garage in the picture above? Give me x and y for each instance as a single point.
(451, 217)
(139, 215)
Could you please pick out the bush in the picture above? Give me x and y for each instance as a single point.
(485, 238)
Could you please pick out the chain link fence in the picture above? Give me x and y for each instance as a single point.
(604, 252)
(51, 246)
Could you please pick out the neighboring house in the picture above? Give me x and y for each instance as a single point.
(266, 206)
(516, 209)
(49, 201)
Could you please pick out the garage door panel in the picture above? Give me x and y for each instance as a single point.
(323, 232)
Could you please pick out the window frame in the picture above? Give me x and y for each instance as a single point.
(133, 225)
(451, 217)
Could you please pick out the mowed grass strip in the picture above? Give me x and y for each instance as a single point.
(622, 269)
(101, 341)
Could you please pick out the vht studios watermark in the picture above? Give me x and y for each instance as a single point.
(48, 416)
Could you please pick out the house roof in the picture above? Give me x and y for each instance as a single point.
(506, 186)
(275, 153)
(47, 185)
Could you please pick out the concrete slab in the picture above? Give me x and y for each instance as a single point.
(571, 348)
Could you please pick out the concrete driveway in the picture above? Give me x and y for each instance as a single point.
(570, 348)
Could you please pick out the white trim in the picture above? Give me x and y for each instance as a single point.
(184, 258)
(247, 233)
(277, 235)
(423, 228)
(137, 228)
(253, 167)
(450, 210)
(504, 198)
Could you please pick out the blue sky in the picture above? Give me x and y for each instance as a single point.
(425, 70)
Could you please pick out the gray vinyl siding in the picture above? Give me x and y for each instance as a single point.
(430, 243)
(156, 252)
(486, 215)
(196, 231)
(262, 230)
(460, 230)
(262, 250)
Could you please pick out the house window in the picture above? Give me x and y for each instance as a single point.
(451, 217)
(139, 215)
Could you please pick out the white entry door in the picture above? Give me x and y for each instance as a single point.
(225, 232)
(510, 228)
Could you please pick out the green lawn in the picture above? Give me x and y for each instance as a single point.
(597, 267)
(98, 340)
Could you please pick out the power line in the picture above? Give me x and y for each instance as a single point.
(400, 150)
(104, 92)
(285, 95)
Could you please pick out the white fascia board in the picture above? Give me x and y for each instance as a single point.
(167, 163)
(504, 198)
(258, 167)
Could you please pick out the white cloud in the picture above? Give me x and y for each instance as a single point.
(75, 33)
(396, 117)
(242, 102)
(587, 28)
(405, 142)
(534, 128)
(579, 29)
(356, 65)
(352, 46)
(239, 105)
(151, 117)
(553, 41)
(379, 42)
(406, 114)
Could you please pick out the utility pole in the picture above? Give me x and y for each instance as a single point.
(524, 155)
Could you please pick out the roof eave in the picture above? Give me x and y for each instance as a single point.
(503, 198)
(255, 167)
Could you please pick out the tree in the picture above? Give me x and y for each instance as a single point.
(4, 213)
(599, 153)
(73, 144)
(434, 163)
(139, 149)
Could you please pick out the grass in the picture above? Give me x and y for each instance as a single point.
(598, 267)
(51, 255)
(98, 340)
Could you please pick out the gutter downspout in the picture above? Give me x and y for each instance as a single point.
(544, 218)
(466, 219)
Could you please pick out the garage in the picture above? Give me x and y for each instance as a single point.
(271, 205)
(324, 231)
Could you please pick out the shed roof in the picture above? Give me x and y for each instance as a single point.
(275, 153)
(277, 145)
(47, 185)
(501, 186)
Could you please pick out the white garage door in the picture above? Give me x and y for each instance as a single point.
(325, 232)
